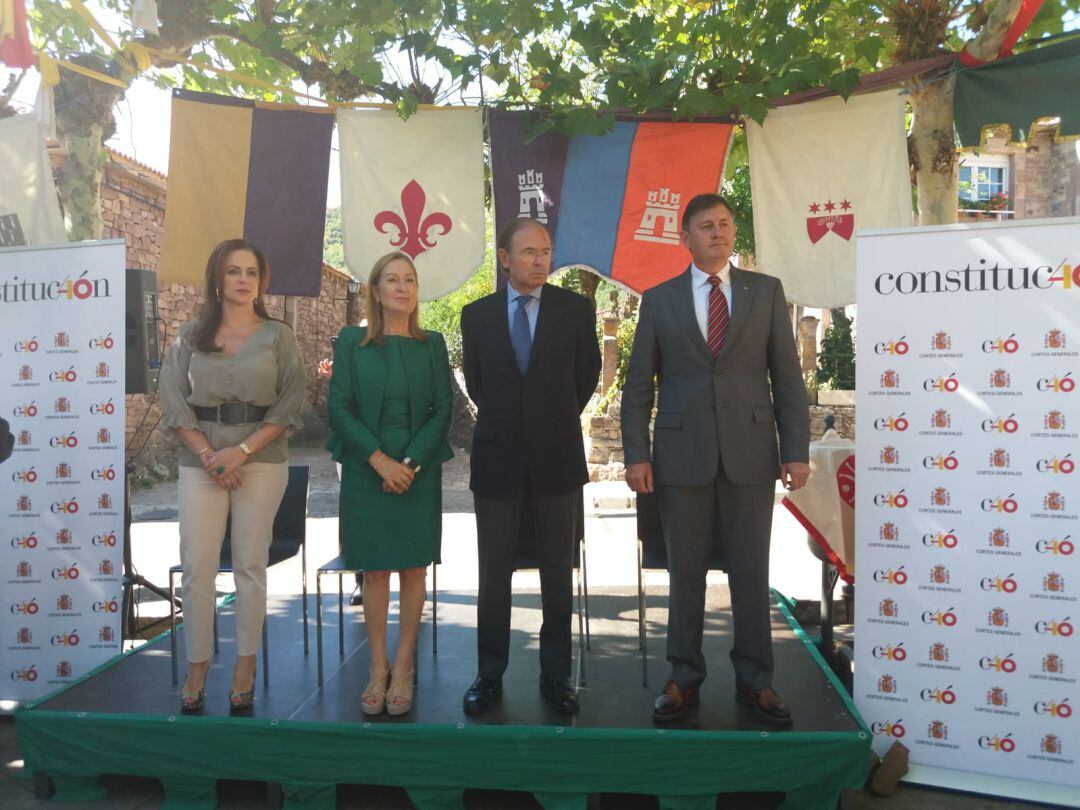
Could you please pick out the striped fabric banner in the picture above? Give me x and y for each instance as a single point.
(252, 169)
(613, 202)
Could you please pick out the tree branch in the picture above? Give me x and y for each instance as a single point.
(987, 42)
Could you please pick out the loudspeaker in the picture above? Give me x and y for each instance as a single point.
(143, 352)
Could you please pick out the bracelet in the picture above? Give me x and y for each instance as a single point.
(247, 450)
(206, 449)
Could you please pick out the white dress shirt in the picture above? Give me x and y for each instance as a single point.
(699, 282)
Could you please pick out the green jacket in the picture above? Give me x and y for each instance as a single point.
(356, 398)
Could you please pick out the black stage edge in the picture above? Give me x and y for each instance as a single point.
(124, 719)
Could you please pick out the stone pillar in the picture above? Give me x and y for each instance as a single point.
(610, 352)
(808, 343)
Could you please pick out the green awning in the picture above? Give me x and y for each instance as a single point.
(1017, 91)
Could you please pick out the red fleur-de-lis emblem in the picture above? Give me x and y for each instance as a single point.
(413, 231)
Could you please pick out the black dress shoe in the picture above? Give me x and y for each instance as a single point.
(482, 695)
(766, 705)
(674, 703)
(560, 695)
(357, 595)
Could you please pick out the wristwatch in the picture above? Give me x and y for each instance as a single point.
(411, 464)
(247, 450)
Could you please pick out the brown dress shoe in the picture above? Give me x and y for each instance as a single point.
(674, 703)
(766, 704)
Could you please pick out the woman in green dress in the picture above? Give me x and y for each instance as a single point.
(390, 404)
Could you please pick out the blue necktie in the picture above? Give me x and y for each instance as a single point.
(520, 336)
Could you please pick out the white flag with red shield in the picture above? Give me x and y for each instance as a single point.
(820, 172)
(416, 186)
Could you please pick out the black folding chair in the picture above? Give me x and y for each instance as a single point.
(527, 558)
(652, 555)
(289, 537)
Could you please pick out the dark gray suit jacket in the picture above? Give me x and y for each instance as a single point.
(716, 409)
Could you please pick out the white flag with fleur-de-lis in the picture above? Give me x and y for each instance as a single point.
(416, 186)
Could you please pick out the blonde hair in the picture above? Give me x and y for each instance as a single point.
(376, 327)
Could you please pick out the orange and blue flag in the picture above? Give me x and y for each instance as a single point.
(613, 203)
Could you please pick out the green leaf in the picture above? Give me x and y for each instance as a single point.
(407, 105)
(844, 82)
(869, 49)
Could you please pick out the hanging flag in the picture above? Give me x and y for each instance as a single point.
(144, 15)
(45, 102)
(611, 202)
(417, 186)
(29, 211)
(1016, 92)
(240, 168)
(15, 48)
(819, 172)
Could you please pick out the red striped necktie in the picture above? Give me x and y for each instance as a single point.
(718, 316)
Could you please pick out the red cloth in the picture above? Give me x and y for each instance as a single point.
(826, 505)
(15, 51)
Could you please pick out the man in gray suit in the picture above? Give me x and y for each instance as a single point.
(714, 338)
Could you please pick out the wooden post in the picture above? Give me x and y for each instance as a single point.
(808, 343)
(611, 352)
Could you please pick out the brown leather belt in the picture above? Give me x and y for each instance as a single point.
(232, 413)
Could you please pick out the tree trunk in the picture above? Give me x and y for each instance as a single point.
(933, 145)
(933, 151)
(84, 121)
(589, 282)
(988, 41)
(80, 182)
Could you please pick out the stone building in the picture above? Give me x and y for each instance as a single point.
(1039, 180)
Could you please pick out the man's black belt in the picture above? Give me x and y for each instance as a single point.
(232, 413)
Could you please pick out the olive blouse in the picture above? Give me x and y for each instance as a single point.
(266, 371)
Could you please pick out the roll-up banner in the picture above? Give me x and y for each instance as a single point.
(62, 490)
(968, 498)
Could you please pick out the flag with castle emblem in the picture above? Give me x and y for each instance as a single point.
(416, 186)
(612, 202)
(820, 172)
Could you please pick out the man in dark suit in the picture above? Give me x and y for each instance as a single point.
(716, 338)
(531, 362)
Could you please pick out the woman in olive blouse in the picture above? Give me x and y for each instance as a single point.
(389, 405)
(232, 388)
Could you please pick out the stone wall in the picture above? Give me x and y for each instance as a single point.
(1065, 199)
(845, 420)
(1033, 169)
(133, 209)
(603, 442)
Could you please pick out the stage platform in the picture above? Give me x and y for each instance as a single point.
(305, 742)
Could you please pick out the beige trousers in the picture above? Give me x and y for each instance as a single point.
(204, 510)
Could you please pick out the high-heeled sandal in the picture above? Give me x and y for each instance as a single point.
(241, 701)
(192, 705)
(373, 700)
(399, 697)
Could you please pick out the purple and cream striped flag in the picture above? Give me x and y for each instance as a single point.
(241, 168)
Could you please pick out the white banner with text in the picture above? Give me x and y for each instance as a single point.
(968, 496)
(62, 490)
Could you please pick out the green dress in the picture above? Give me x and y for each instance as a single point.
(396, 398)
